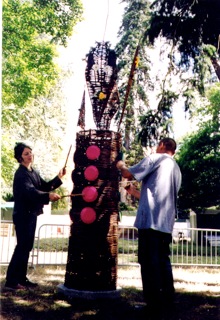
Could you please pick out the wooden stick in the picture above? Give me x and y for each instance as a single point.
(67, 156)
(130, 80)
(72, 195)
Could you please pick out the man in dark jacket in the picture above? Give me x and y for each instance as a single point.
(30, 193)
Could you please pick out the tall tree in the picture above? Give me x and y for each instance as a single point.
(190, 26)
(199, 158)
(135, 20)
(29, 31)
(185, 60)
(42, 125)
(32, 108)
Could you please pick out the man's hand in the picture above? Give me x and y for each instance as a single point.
(120, 164)
(133, 191)
(54, 196)
(124, 170)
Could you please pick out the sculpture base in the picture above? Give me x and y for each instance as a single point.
(88, 295)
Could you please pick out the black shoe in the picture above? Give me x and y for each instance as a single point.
(29, 284)
(12, 286)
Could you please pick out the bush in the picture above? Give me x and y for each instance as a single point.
(8, 197)
(125, 207)
(63, 202)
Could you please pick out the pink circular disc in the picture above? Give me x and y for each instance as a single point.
(89, 194)
(93, 152)
(91, 173)
(88, 215)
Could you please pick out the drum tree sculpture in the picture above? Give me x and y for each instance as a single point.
(93, 241)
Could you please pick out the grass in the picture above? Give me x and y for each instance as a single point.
(197, 297)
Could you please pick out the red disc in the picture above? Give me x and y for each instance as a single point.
(88, 215)
(89, 194)
(93, 152)
(91, 173)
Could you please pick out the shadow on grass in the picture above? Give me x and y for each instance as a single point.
(45, 303)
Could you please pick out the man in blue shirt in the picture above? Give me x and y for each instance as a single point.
(161, 179)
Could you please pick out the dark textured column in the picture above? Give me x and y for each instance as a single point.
(93, 243)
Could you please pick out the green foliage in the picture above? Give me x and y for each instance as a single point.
(191, 252)
(29, 29)
(125, 207)
(134, 21)
(128, 247)
(134, 154)
(7, 197)
(63, 202)
(192, 27)
(188, 24)
(51, 245)
(8, 164)
(199, 158)
(32, 106)
(41, 124)
(155, 89)
(155, 125)
(28, 67)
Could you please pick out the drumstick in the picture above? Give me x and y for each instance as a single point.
(72, 195)
(67, 156)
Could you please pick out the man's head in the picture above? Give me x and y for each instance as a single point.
(166, 145)
(19, 149)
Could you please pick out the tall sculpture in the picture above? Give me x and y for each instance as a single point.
(93, 241)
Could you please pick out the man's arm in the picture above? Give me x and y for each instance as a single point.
(124, 170)
(126, 174)
(133, 191)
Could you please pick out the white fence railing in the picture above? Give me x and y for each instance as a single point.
(190, 246)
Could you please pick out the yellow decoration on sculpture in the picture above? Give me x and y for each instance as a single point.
(136, 61)
(102, 96)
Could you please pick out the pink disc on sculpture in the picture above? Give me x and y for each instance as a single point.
(93, 152)
(91, 173)
(89, 194)
(88, 215)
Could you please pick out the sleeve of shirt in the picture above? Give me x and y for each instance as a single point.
(50, 185)
(142, 169)
(24, 187)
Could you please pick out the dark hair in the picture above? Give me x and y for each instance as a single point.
(18, 150)
(169, 143)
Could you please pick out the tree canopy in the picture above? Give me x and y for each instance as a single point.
(188, 24)
(193, 28)
(135, 19)
(30, 30)
(184, 36)
(199, 158)
(32, 102)
(188, 60)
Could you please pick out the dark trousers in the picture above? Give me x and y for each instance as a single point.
(156, 269)
(25, 232)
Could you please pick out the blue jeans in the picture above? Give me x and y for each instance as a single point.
(156, 269)
(25, 227)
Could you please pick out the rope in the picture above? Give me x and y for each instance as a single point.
(106, 21)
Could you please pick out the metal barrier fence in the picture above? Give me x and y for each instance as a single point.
(190, 246)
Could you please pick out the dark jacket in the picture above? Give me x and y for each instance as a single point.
(31, 192)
